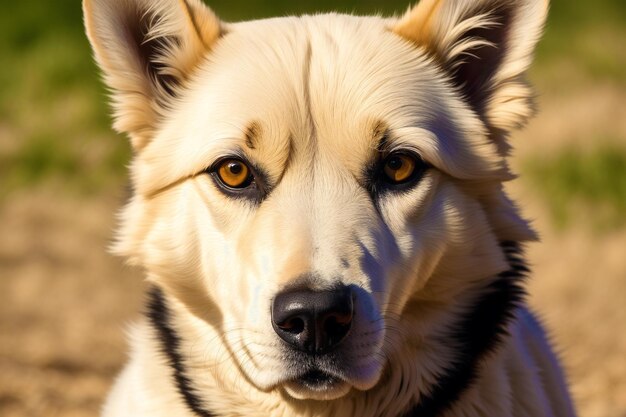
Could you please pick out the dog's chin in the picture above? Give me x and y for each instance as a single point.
(317, 385)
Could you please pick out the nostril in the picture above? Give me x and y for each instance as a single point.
(294, 325)
(336, 325)
(341, 319)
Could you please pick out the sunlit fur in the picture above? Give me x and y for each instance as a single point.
(309, 99)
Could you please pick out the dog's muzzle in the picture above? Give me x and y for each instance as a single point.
(314, 322)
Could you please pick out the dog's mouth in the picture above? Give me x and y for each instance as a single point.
(318, 380)
(317, 384)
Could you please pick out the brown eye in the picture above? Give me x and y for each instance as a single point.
(234, 173)
(399, 167)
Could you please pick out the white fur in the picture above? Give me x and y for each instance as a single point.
(522, 380)
(319, 92)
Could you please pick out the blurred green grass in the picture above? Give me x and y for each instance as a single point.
(54, 123)
(591, 184)
(586, 35)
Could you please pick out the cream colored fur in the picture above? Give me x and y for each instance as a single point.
(309, 99)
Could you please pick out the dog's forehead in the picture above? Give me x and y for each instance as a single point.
(316, 85)
(319, 77)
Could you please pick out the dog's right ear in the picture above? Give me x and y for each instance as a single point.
(486, 47)
(147, 49)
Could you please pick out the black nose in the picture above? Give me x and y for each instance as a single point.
(313, 321)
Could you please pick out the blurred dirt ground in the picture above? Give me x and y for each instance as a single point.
(64, 305)
(578, 283)
(64, 302)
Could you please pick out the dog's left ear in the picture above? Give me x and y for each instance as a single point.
(486, 46)
(147, 49)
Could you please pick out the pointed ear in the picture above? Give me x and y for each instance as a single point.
(147, 49)
(486, 46)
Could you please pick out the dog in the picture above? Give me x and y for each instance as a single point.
(318, 204)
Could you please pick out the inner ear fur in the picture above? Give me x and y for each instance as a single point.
(486, 47)
(147, 49)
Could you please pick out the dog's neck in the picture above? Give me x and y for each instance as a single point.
(475, 335)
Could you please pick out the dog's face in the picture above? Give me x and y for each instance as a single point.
(320, 192)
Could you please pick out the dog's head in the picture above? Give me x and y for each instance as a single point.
(323, 193)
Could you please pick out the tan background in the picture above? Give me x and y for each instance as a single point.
(64, 302)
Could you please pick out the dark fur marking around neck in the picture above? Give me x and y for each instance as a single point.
(478, 334)
(158, 314)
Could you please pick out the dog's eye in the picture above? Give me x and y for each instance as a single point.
(401, 167)
(234, 173)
